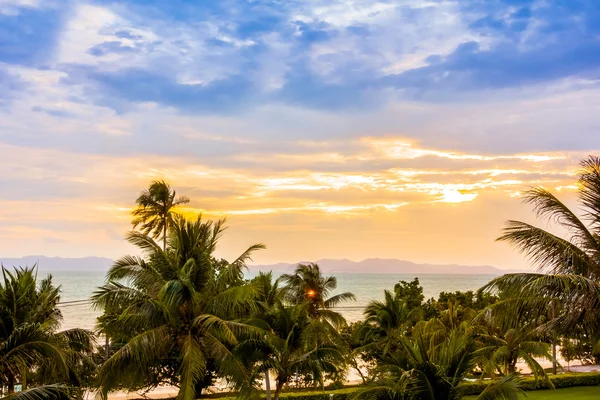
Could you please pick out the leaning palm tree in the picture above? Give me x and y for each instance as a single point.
(307, 284)
(154, 212)
(178, 306)
(567, 287)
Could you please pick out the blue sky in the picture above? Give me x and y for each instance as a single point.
(300, 105)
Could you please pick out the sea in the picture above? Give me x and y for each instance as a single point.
(78, 286)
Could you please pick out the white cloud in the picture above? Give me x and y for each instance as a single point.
(13, 7)
(399, 36)
(90, 26)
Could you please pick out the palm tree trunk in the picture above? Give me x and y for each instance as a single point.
(278, 389)
(24, 379)
(10, 383)
(512, 366)
(554, 363)
(106, 346)
(165, 235)
(268, 384)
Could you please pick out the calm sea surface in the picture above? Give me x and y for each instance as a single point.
(366, 287)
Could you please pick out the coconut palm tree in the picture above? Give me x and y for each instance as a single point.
(519, 343)
(423, 370)
(307, 284)
(387, 320)
(32, 350)
(567, 287)
(179, 306)
(294, 344)
(270, 293)
(509, 340)
(154, 212)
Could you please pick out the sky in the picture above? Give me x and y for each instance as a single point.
(325, 129)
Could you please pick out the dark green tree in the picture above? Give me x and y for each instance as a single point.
(181, 304)
(33, 352)
(424, 368)
(410, 293)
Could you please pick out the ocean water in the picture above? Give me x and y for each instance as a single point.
(366, 287)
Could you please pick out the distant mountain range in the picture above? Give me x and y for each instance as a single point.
(387, 266)
(370, 265)
(46, 264)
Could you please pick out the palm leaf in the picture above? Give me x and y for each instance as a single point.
(47, 392)
(506, 388)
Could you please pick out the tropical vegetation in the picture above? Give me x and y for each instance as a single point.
(176, 314)
(45, 362)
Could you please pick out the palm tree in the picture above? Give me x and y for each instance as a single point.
(178, 305)
(270, 293)
(423, 370)
(308, 284)
(386, 321)
(567, 288)
(32, 350)
(509, 340)
(294, 344)
(154, 213)
(518, 343)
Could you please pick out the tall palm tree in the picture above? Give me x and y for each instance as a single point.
(567, 287)
(307, 284)
(179, 304)
(154, 212)
(32, 350)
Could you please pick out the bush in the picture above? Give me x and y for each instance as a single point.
(341, 394)
(474, 388)
(529, 383)
(470, 388)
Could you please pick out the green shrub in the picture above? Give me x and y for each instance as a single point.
(530, 383)
(470, 388)
(474, 388)
(340, 394)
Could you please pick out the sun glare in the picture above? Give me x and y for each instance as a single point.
(457, 196)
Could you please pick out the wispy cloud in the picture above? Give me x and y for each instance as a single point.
(292, 117)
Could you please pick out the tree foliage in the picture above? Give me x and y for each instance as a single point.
(180, 305)
(33, 352)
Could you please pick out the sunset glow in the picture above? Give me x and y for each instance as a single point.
(325, 130)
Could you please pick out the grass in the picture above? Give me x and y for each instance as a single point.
(575, 393)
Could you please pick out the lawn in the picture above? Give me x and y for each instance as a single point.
(579, 393)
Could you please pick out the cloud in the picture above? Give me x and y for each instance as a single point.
(294, 117)
(357, 55)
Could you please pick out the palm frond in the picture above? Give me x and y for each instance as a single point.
(506, 388)
(47, 392)
(547, 205)
(193, 366)
(339, 298)
(589, 189)
(134, 358)
(546, 251)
